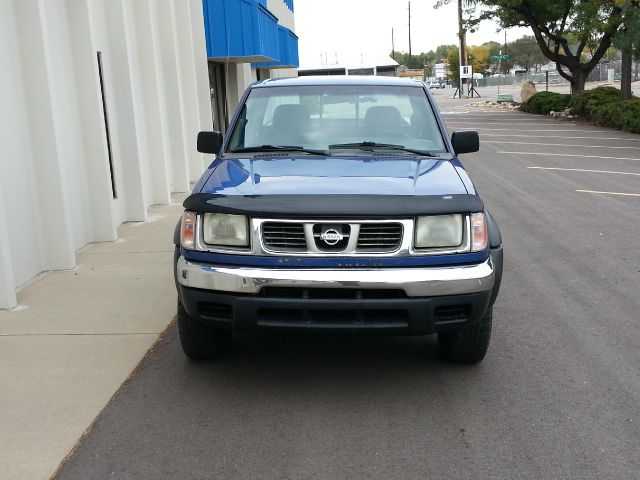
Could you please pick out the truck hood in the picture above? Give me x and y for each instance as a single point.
(305, 175)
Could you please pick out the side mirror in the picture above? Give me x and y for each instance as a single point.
(465, 142)
(209, 142)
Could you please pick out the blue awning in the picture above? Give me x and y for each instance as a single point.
(288, 51)
(241, 31)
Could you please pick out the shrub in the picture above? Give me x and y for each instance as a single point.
(584, 103)
(546, 102)
(606, 115)
(617, 114)
(601, 105)
(630, 115)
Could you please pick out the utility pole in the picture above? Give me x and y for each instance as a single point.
(505, 52)
(393, 45)
(409, 29)
(461, 50)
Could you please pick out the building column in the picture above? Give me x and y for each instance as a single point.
(239, 77)
(188, 85)
(8, 148)
(199, 48)
(7, 282)
(20, 250)
(163, 34)
(152, 86)
(122, 103)
(96, 158)
(38, 48)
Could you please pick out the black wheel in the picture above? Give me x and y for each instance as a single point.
(468, 345)
(199, 341)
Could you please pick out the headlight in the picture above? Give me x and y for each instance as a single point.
(439, 231)
(223, 229)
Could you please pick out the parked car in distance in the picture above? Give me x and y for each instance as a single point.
(337, 204)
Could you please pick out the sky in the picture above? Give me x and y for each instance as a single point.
(348, 29)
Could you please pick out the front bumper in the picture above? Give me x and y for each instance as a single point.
(408, 300)
(415, 282)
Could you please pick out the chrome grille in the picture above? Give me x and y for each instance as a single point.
(354, 238)
(385, 237)
(281, 236)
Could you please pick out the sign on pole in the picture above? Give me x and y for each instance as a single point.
(466, 71)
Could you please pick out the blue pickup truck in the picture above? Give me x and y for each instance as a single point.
(337, 204)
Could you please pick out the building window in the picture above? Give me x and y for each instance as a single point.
(218, 92)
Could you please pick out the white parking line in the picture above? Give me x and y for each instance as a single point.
(610, 193)
(559, 136)
(570, 155)
(584, 170)
(511, 123)
(617, 147)
(555, 130)
(485, 114)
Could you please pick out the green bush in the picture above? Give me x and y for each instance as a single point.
(601, 105)
(617, 114)
(630, 115)
(546, 102)
(606, 115)
(584, 103)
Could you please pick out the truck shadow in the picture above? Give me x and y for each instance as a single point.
(278, 362)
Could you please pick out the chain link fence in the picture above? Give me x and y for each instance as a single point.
(599, 74)
(538, 78)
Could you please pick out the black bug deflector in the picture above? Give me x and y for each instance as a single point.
(332, 206)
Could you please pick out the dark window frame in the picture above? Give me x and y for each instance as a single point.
(107, 130)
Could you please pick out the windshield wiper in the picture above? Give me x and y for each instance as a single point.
(390, 146)
(279, 148)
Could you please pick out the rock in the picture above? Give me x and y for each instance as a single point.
(495, 105)
(528, 90)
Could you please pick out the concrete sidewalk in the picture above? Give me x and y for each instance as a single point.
(76, 337)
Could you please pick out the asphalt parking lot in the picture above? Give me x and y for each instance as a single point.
(558, 395)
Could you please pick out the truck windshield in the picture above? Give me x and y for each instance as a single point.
(335, 117)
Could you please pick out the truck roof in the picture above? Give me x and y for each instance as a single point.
(349, 80)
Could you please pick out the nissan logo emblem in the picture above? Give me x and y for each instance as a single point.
(331, 236)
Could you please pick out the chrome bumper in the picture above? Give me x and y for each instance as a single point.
(416, 282)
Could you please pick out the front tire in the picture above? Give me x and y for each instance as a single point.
(468, 345)
(200, 341)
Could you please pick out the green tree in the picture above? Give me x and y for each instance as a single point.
(592, 23)
(442, 51)
(453, 61)
(479, 58)
(497, 48)
(626, 39)
(526, 53)
(410, 61)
